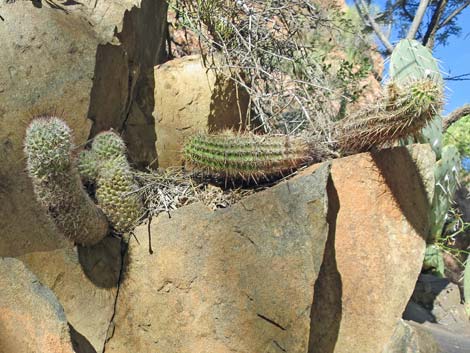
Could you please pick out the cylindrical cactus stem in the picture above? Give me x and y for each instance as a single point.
(116, 194)
(246, 156)
(403, 113)
(57, 184)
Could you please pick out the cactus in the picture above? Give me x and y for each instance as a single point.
(116, 194)
(246, 156)
(106, 166)
(108, 144)
(446, 173)
(57, 184)
(411, 61)
(87, 164)
(404, 111)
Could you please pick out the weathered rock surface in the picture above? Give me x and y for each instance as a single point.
(374, 257)
(85, 282)
(438, 300)
(87, 62)
(447, 340)
(409, 338)
(31, 318)
(234, 280)
(190, 98)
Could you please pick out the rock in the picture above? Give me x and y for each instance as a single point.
(31, 318)
(409, 338)
(239, 279)
(443, 301)
(88, 63)
(447, 341)
(85, 282)
(190, 98)
(374, 257)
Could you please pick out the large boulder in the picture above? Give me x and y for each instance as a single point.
(31, 318)
(234, 280)
(87, 63)
(374, 256)
(191, 98)
(85, 281)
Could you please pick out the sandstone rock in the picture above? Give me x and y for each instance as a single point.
(374, 257)
(409, 338)
(233, 280)
(87, 62)
(85, 282)
(447, 340)
(443, 301)
(191, 98)
(31, 318)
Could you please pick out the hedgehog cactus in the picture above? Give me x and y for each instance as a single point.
(57, 184)
(404, 111)
(246, 156)
(116, 194)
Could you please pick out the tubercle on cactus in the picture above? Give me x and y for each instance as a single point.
(106, 165)
(246, 156)
(57, 184)
(404, 112)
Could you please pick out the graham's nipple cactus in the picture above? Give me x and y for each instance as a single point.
(246, 156)
(57, 184)
(106, 166)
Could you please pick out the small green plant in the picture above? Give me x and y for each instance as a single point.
(404, 111)
(57, 184)
(106, 166)
(246, 156)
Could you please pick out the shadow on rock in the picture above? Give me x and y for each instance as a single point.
(102, 262)
(79, 343)
(404, 177)
(326, 310)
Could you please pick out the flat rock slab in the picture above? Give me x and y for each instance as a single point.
(31, 318)
(234, 280)
(374, 256)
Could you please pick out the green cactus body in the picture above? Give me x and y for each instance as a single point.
(107, 145)
(403, 112)
(57, 184)
(411, 61)
(116, 194)
(246, 156)
(88, 164)
(445, 173)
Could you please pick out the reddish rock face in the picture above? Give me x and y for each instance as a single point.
(234, 280)
(31, 318)
(374, 256)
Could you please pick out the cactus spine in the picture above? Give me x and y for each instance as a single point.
(246, 156)
(402, 112)
(411, 61)
(57, 184)
(106, 166)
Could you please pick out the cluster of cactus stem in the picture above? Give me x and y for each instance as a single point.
(57, 180)
(57, 183)
(106, 165)
(246, 156)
